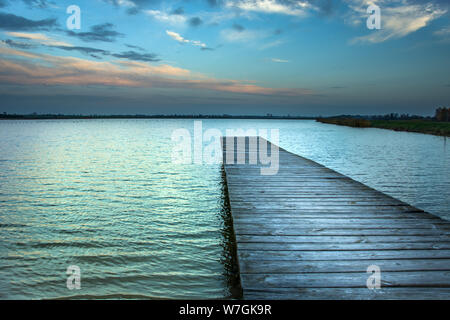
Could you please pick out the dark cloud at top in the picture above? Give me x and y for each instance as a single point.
(133, 11)
(178, 11)
(135, 47)
(3, 3)
(195, 22)
(136, 56)
(238, 27)
(214, 3)
(85, 50)
(95, 52)
(18, 45)
(100, 32)
(326, 7)
(12, 22)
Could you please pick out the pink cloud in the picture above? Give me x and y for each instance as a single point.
(36, 69)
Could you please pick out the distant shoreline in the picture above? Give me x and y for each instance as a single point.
(424, 125)
(81, 117)
(436, 128)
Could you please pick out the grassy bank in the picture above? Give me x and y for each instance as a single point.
(421, 126)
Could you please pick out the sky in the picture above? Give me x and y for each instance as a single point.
(242, 57)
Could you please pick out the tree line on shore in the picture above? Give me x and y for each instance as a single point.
(437, 125)
(442, 114)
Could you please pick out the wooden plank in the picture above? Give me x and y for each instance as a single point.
(309, 232)
(388, 293)
(296, 231)
(335, 266)
(333, 215)
(349, 222)
(257, 256)
(347, 279)
(294, 207)
(294, 246)
(341, 239)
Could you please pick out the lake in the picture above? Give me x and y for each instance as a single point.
(105, 195)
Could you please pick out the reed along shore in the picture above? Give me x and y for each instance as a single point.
(420, 126)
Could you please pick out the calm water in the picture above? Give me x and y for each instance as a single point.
(105, 196)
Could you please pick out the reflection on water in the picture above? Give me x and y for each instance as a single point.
(104, 195)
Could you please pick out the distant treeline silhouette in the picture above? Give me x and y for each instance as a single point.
(437, 125)
(35, 116)
(389, 116)
(441, 114)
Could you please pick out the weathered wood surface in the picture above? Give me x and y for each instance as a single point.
(309, 232)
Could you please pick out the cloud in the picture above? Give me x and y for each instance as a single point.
(243, 36)
(3, 3)
(271, 44)
(176, 36)
(399, 18)
(17, 23)
(279, 60)
(214, 3)
(130, 55)
(101, 32)
(133, 11)
(85, 50)
(195, 21)
(75, 71)
(18, 44)
(125, 3)
(180, 39)
(238, 27)
(444, 32)
(179, 11)
(172, 19)
(135, 47)
(133, 3)
(136, 56)
(43, 69)
(93, 52)
(42, 4)
(293, 8)
(324, 7)
(38, 37)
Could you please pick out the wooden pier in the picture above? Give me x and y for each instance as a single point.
(309, 232)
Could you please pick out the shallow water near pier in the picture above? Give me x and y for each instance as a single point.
(104, 195)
